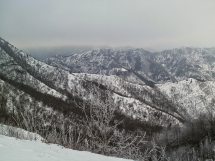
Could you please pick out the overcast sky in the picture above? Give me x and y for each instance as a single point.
(159, 24)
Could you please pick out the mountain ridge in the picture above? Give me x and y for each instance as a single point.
(157, 67)
(62, 82)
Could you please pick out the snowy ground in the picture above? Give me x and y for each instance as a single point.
(12, 149)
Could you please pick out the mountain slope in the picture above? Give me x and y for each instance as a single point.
(154, 105)
(142, 67)
(186, 62)
(196, 97)
(130, 65)
(119, 96)
(69, 86)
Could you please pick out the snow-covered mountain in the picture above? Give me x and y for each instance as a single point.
(187, 62)
(130, 78)
(148, 91)
(130, 65)
(140, 66)
(18, 67)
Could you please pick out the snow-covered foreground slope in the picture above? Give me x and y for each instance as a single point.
(12, 149)
(19, 133)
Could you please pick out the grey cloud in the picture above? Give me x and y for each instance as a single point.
(140, 23)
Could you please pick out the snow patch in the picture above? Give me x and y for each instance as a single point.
(13, 150)
(19, 133)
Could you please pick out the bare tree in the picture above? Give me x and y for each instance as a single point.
(102, 133)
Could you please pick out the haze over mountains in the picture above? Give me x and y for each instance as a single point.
(148, 91)
(42, 53)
